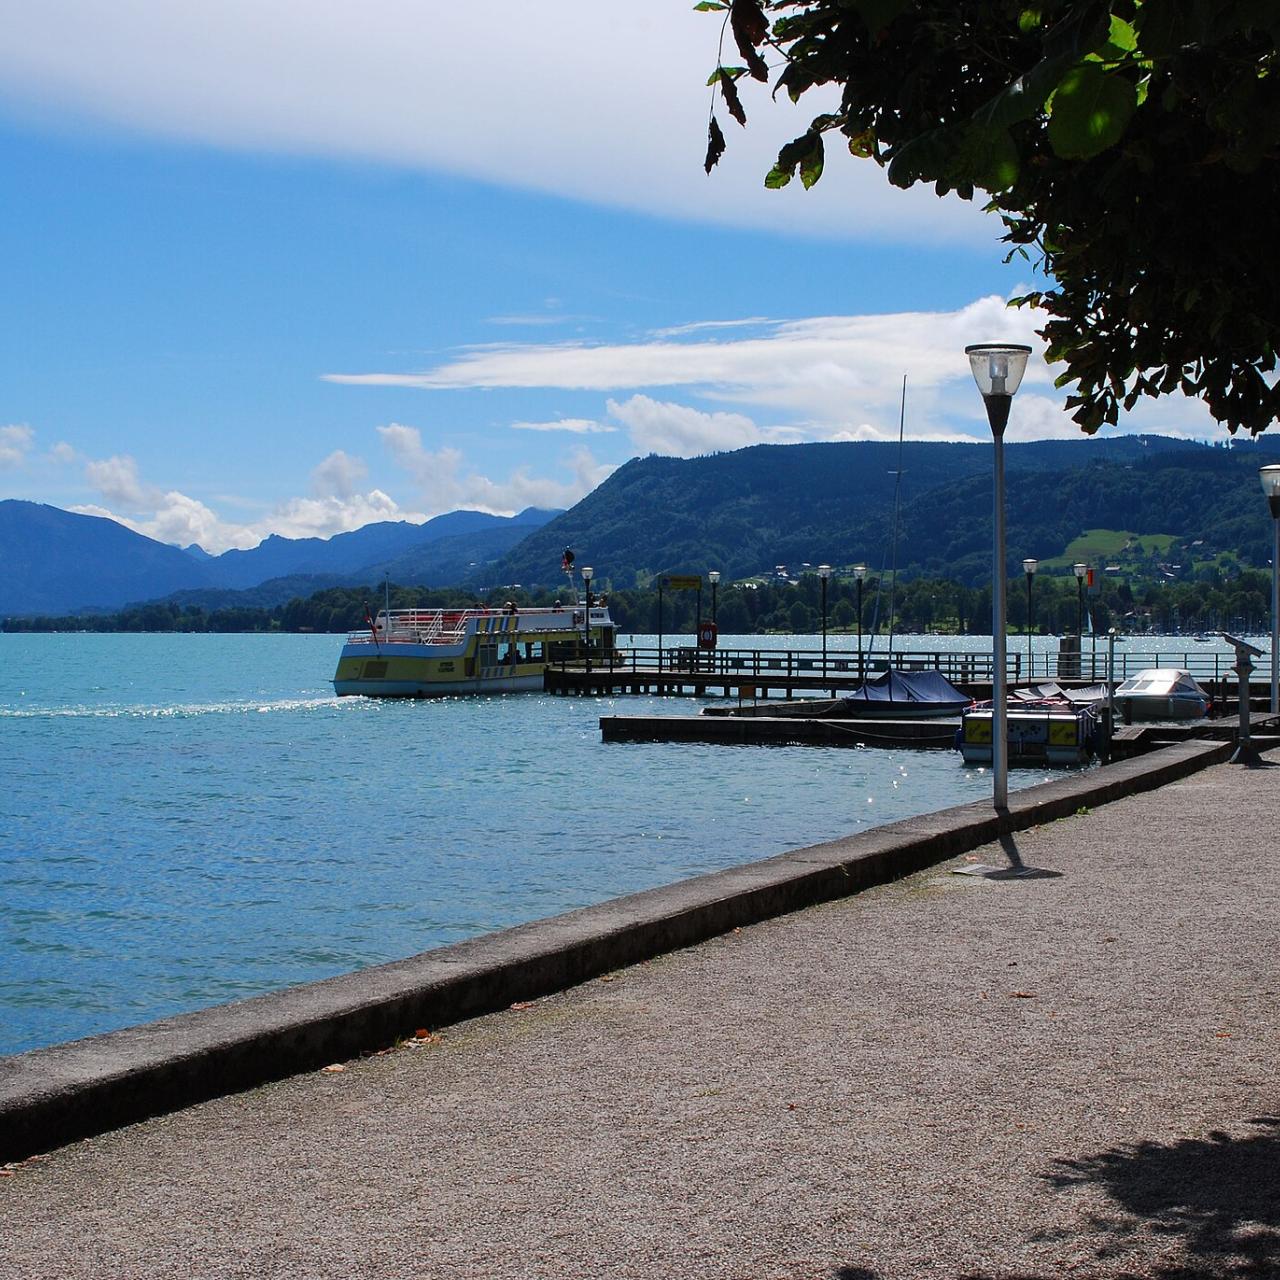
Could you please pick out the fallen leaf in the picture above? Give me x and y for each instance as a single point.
(523, 1004)
(334, 1067)
(422, 1034)
(6, 1173)
(1223, 1035)
(608, 977)
(1022, 995)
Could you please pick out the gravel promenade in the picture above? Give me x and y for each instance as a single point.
(953, 1076)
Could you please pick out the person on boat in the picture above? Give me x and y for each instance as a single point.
(509, 607)
(558, 606)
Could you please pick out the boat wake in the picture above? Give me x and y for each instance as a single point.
(178, 711)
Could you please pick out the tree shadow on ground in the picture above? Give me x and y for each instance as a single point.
(1219, 1196)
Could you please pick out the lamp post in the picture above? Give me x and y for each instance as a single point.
(824, 572)
(998, 369)
(587, 573)
(859, 575)
(1080, 570)
(1270, 477)
(713, 576)
(1029, 567)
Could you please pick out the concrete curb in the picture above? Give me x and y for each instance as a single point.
(53, 1096)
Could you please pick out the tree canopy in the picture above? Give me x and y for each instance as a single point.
(1130, 147)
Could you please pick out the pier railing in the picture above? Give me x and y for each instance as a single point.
(958, 666)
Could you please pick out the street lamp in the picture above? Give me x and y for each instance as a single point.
(824, 572)
(587, 574)
(1029, 567)
(713, 576)
(1081, 571)
(859, 574)
(998, 369)
(1270, 477)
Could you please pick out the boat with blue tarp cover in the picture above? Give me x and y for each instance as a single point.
(902, 695)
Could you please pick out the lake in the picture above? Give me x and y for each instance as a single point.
(190, 819)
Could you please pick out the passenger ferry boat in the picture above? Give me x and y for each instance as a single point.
(423, 653)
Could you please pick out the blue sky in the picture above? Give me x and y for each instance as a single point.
(290, 267)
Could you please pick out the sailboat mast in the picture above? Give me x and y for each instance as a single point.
(897, 505)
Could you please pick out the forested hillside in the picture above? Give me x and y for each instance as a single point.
(746, 512)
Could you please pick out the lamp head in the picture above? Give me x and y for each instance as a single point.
(998, 366)
(1080, 570)
(859, 571)
(713, 576)
(587, 573)
(1270, 477)
(824, 571)
(1029, 566)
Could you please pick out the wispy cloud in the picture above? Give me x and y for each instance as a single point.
(614, 114)
(578, 426)
(445, 482)
(822, 378)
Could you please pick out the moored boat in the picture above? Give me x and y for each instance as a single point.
(1045, 734)
(902, 695)
(422, 653)
(1161, 693)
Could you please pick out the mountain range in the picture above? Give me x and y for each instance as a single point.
(745, 513)
(58, 562)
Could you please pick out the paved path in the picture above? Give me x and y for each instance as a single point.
(953, 1076)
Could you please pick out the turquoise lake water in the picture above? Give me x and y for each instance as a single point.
(186, 820)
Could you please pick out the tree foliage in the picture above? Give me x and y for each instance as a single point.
(1130, 147)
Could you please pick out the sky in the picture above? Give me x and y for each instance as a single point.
(293, 266)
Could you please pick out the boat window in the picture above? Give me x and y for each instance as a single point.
(533, 651)
(488, 655)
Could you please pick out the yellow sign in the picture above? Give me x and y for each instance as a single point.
(976, 730)
(688, 582)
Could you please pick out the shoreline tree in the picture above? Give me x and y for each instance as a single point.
(1130, 147)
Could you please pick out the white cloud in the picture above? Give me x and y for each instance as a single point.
(338, 476)
(175, 517)
(15, 444)
(593, 101)
(64, 454)
(822, 378)
(658, 426)
(578, 426)
(116, 478)
(445, 484)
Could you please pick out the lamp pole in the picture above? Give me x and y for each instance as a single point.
(1080, 570)
(1270, 477)
(998, 369)
(587, 574)
(1029, 567)
(824, 572)
(859, 574)
(713, 576)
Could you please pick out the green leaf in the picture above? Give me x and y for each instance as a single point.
(878, 14)
(725, 73)
(1090, 111)
(863, 145)
(708, 6)
(1029, 20)
(999, 163)
(811, 165)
